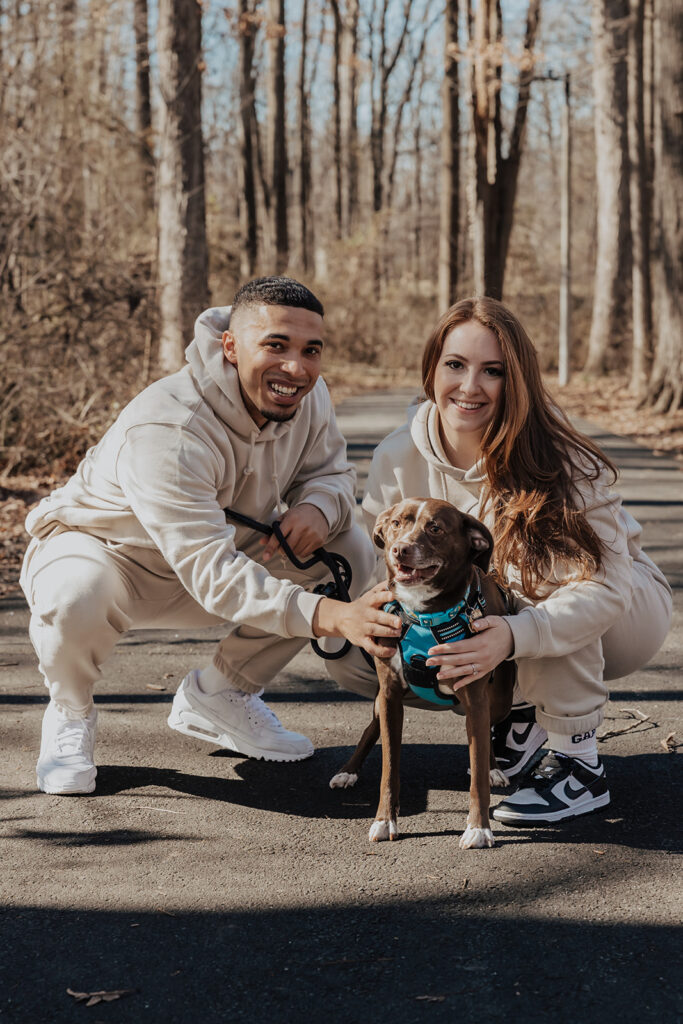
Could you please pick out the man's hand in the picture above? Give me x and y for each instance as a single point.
(360, 621)
(481, 653)
(304, 527)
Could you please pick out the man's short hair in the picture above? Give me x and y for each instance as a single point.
(276, 291)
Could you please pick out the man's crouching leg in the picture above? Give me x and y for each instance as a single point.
(78, 605)
(222, 704)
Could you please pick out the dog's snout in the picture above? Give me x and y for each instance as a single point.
(400, 550)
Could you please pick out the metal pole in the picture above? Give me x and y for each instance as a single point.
(565, 339)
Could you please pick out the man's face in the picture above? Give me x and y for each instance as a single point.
(277, 352)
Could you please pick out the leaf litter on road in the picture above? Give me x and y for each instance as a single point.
(104, 996)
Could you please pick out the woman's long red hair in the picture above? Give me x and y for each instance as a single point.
(532, 458)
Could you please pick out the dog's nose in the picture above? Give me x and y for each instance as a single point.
(399, 550)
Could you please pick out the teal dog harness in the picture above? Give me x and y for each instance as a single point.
(421, 631)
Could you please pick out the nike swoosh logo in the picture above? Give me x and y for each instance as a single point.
(523, 736)
(570, 793)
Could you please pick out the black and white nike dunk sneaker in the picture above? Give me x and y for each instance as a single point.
(561, 787)
(517, 741)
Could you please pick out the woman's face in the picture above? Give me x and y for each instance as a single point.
(468, 382)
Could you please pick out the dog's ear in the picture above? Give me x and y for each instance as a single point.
(380, 524)
(480, 540)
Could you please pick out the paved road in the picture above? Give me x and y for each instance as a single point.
(224, 889)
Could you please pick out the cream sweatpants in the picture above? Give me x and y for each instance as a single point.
(570, 693)
(85, 594)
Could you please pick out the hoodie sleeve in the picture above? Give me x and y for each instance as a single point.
(170, 478)
(578, 612)
(325, 477)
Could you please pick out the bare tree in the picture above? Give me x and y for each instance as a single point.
(277, 139)
(449, 218)
(305, 219)
(666, 383)
(183, 252)
(495, 185)
(144, 103)
(639, 204)
(247, 27)
(612, 259)
(383, 65)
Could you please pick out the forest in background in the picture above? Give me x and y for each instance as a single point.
(392, 154)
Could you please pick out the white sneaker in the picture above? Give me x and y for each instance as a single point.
(67, 747)
(237, 721)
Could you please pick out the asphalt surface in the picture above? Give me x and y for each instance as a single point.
(223, 889)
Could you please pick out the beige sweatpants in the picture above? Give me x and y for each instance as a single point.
(570, 693)
(85, 594)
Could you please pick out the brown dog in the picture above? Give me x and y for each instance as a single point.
(437, 560)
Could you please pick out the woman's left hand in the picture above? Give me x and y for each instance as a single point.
(467, 660)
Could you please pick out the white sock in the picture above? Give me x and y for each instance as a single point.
(583, 745)
(212, 681)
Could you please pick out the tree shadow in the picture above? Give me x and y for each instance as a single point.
(403, 962)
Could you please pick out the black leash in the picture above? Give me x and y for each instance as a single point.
(338, 587)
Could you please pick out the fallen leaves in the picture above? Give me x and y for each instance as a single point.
(154, 686)
(93, 998)
(669, 743)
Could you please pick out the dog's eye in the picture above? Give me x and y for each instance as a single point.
(395, 522)
(434, 528)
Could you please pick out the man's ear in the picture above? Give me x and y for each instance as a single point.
(380, 523)
(229, 342)
(480, 540)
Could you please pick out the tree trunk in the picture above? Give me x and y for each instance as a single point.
(612, 262)
(495, 177)
(183, 253)
(666, 384)
(247, 32)
(277, 140)
(336, 83)
(639, 206)
(450, 163)
(305, 218)
(144, 104)
(348, 78)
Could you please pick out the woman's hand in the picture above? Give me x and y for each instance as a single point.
(360, 621)
(467, 660)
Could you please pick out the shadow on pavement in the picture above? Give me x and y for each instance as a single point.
(640, 817)
(403, 961)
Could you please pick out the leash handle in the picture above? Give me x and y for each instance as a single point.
(338, 566)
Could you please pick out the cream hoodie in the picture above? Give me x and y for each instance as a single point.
(571, 613)
(183, 450)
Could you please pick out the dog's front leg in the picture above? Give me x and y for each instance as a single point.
(390, 707)
(475, 698)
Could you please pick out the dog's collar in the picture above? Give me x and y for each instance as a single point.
(448, 625)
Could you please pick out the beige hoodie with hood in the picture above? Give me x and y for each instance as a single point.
(183, 450)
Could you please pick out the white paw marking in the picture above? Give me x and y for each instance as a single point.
(381, 830)
(342, 780)
(475, 838)
(499, 778)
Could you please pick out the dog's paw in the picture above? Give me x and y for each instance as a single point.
(381, 830)
(475, 838)
(498, 778)
(343, 780)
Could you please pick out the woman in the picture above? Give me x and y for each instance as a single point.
(590, 605)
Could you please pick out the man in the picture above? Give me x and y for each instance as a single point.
(138, 538)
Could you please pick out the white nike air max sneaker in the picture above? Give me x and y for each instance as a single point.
(237, 721)
(67, 747)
